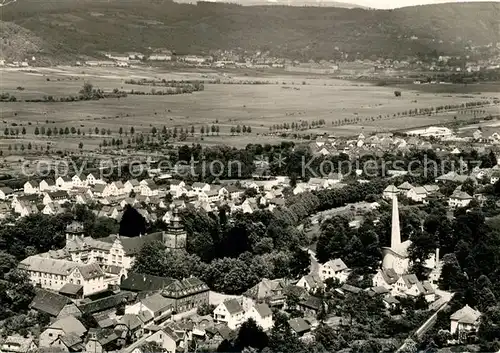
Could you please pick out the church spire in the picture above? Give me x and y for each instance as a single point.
(395, 231)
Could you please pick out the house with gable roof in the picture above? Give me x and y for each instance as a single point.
(390, 192)
(31, 187)
(464, 321)
(6, 193)
(159, 307)
(267, 291)
(67, 326)
(262, 315)
(230, 312)
(404, 188)
(132, 185)
(334, 269)
(310, 282)
(409, 285)
(385, 278)
(459, 199)
(56, 305)
(64, 183)
(417, 194)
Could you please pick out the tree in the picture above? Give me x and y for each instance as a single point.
(49, 132)
(80, 145)
(120, 131)
(37, 132)
(151, 259)
(61, 131)
(132, 130)
(66, 130)
(452, 275)
(397, 93)
(238, 129)
(154, 130)
(73, 130)
(249, 129)
(233, 130)
(132, 223)
(6, 131)
(250, 335)
(96, 131)
(202, 130)
(23, 131)
(217, 129)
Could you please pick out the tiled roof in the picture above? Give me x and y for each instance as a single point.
(71, 289)
(106, 303)
(132, 245)
(466, 315)
(157, 302)
(90, 271)
(41, 264)
(188, 286)
(140, 282)
(263, 310)
(49, 302)
(233, 306)
(69, 324)
(299, 325)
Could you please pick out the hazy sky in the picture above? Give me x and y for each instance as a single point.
(390, 4)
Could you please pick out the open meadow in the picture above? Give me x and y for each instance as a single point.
(285, 99)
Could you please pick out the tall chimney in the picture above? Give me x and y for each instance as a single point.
(437, 258)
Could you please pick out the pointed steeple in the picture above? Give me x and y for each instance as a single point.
(395, 231)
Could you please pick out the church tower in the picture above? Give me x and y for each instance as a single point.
(395, 257)
(175, 236)
(395, 230)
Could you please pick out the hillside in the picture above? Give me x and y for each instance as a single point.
(89, 26)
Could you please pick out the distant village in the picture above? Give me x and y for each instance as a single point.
(342, 67)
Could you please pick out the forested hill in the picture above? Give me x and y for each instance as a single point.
(88, 26)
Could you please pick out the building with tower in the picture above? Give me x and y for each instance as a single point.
(395, 257)
(114, 254)
(175, 236)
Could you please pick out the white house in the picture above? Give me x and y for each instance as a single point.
(198, 188)
(334, 269)
(390, 192)
(167, 339)
(54, 274)
(459, 199)
(64, 183)
(262, 315)
(157, 305)
(132, 185)
(66, 326)
(409, 285)
(52, 208)
(464, 321)
(47, 185)
(79, 180)
(6, 193)
(310, 282)
(59, 196)
(230, 312)
(31, 187)
(417, 194)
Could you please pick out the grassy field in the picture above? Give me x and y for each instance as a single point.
(288, 99)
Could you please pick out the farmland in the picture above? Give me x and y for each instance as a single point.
(285, 99)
